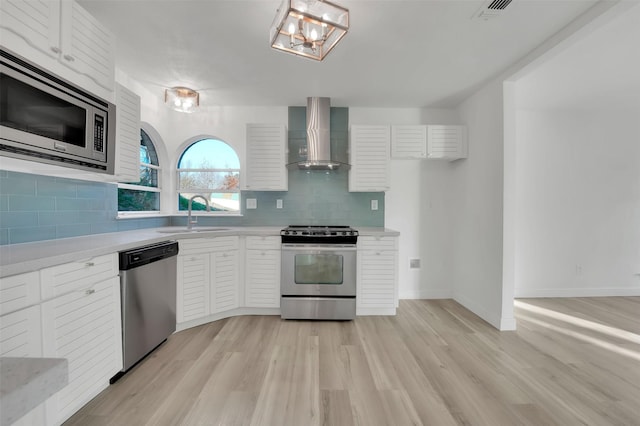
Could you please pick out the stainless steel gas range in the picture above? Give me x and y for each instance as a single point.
(318, 276)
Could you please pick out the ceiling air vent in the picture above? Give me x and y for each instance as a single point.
(491, 9)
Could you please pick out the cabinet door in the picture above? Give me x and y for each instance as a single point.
(20, 333)
(369, 158)
(224, 289)
(127, 135)
(19, 291)
(377, 279)
(61, 279)
(83, 326)
(87, 46)
(36, 22)
(193, 286)
(447, 142)
(409, 141)
(262, 278)
(266, 157)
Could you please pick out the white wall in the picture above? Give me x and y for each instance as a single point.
(417, 206)
(578, 211)
(477, 207)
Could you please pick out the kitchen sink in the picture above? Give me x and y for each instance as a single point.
(179, 229)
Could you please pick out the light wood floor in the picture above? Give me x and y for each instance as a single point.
(571, 362)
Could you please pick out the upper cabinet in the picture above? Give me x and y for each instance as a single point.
(369, 158)
(64, 33)
(446, 142)
(127, 167)
(266, 158)
(409, 141)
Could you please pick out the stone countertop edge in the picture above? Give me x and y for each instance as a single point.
(27, 257)
(27, 382)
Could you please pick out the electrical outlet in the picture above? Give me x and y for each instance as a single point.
(252, 203)
(414, 263)
(278, 204)
(374, 204)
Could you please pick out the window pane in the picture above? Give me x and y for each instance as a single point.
(209, 154)
(133, 200)
(218, 201)
(208, 180)
(148, 153)
(148, 177)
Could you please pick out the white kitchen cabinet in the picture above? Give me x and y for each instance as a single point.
(409, 141)
(369, 158)
(72, 276)
(377, 275)
(266, 158)
(208, 277)
(225, 284)
(192, 286)
(262, 276)
(83, 326)
(447, 142)
(20, 333)
(62, 31)
(19, 291)
(127, 166)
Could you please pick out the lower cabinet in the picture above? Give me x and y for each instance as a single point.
(262, 272)
(208, 277)
(377, 275)
(83, 326)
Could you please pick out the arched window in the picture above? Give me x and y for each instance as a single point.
(211, 168)
(144, 195)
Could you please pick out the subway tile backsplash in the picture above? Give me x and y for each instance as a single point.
(35, 208)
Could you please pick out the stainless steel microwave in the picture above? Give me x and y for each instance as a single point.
(46, 119)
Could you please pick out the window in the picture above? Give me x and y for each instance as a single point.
(211, 168)
(144, 195)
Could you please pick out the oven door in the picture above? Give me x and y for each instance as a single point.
(318, 270)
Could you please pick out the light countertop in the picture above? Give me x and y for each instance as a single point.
(21, 258)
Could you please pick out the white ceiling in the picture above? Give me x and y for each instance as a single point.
(420, 53)
(600, 71)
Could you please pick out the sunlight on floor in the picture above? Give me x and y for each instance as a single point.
(586, 324)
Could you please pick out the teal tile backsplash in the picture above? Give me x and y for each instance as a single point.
(35, 208)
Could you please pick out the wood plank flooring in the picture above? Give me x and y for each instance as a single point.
(571, 362)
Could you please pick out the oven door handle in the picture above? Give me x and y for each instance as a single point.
(312, 247)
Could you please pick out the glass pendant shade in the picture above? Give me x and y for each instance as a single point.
(309, 28)
(182, 99)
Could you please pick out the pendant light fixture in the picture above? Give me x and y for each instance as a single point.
(309, 28)
(182, 99)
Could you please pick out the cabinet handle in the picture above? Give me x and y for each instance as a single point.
(69, 58)
(90, 291)
(55, 49)
(89, 264)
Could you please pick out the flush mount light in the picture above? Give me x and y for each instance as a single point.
(309, 28)
(182, 99)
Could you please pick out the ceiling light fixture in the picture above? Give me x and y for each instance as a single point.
(182, 99)
(309, 28)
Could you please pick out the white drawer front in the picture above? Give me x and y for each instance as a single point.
(377, 243)
(73, 276)
(264, 242)
(19, 291)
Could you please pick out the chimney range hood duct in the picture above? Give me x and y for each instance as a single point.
(318, 149)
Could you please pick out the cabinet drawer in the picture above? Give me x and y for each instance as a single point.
(72, 276)
(195, 245)
(226, 243)
(19, 291)
(377, 243)
(264, 242)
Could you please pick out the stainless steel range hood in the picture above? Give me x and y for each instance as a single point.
(318, 149)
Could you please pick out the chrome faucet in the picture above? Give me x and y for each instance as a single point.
(190, 222)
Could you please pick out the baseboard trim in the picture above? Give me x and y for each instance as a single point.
(492, 318)
(524, 293)
(441, 293)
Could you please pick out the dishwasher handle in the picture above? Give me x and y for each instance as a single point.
(141, 256)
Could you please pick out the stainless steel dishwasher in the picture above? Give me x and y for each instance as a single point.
(148, 296)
